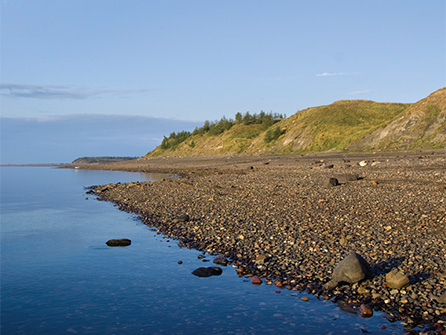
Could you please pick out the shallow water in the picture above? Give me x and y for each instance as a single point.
(58, 276)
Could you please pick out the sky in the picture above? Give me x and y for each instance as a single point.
(112, 77)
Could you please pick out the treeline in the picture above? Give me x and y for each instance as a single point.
(104, 159)
(214, 128)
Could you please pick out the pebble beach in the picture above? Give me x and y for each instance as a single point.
(289, 220)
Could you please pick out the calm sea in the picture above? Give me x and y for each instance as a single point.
(59, 277)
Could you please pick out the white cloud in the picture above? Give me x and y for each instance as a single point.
(361, 92)
(57, 91)
(331, 74)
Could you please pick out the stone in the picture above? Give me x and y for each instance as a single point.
(305, 299)
(278, 283)
(331, 182)
(362, 163)
(181, 218)
(366, 311)
(351, 269)
(260, 259)
(441, 299)
(119, 242)
(207, 272)
(256, 280)
(396, 279)
(220, 260)
(362, 290)
(344, 178)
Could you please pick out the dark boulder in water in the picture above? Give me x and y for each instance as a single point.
(119, 242)
(207, 272)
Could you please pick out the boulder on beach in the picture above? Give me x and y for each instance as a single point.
(331, 182)
(207, 272)
(351, 269)
(119, 242)
(396, 279)
(346, 177)
(181, 218)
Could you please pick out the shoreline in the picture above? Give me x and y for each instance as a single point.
(274, 218)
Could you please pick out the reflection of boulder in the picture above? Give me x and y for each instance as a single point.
(207, 272)
(119, 242)
(351, 269)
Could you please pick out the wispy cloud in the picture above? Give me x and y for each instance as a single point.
(58, 91)
(361, 92)
(331, 74)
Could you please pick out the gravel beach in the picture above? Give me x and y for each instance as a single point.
(289, 220)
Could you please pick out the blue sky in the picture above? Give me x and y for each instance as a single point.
(191, 61)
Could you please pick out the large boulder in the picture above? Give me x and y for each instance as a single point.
(351, 269)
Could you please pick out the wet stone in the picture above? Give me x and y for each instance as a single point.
(119, 242)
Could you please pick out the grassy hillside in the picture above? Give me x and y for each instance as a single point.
(342, 125)
(422, 126)
(336, 126)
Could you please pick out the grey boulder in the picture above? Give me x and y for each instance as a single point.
(351, 269)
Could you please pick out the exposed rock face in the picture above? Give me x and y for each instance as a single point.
(119, 242)
(421, 125)
(207, 272)
(351, 269)
(396, 279)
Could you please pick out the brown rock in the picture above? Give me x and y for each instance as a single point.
(278, 283)
(396, 279)
(256, 280)
(181, 218)
(366, 311)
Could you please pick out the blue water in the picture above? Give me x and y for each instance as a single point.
(59, 277)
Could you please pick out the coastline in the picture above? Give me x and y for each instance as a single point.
(275, 218)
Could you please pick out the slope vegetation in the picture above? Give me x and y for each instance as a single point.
(353, 125)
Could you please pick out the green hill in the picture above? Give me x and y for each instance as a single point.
(342, 125)
(105, 159)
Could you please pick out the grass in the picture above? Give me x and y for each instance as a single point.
(337, 125)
